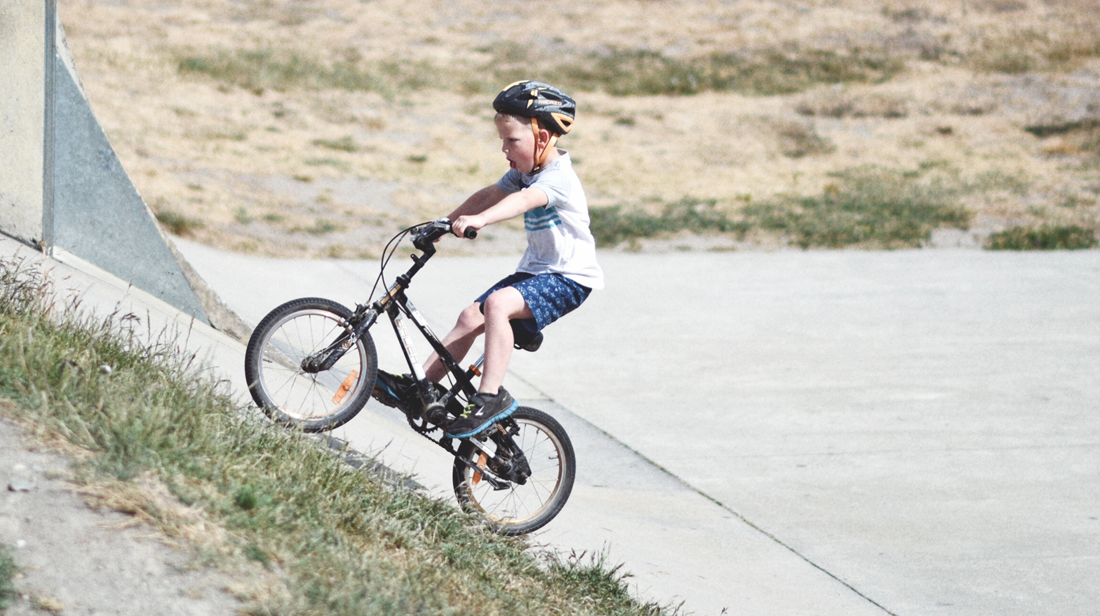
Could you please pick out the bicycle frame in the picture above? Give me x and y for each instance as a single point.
(517, 473)
(396, 305)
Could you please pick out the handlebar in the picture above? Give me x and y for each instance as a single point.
(434, 230)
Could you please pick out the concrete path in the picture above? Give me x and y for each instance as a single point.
(678, 545)
(905, 432)
(922, 425)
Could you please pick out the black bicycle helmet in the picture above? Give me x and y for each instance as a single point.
(538, 101)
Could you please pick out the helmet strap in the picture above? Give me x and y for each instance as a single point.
(540, 156)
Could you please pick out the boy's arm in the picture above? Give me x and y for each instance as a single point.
(478, 202)
(504, 208)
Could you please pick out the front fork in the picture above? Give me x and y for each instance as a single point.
(363, 319)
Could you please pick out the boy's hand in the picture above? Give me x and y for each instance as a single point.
(460, 224)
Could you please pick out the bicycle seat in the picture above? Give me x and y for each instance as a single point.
(526, 335)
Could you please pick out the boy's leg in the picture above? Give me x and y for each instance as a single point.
(500, 308)
(470, 325)
(551, 296)
(398, 390)
(492, 402)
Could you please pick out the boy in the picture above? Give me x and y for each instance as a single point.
(558, 270)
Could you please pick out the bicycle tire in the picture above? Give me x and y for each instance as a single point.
(313, 402)
(521, 509)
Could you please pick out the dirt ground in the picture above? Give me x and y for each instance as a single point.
(320, 127)
(76, 559)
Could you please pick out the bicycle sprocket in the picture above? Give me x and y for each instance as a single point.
(419, 421)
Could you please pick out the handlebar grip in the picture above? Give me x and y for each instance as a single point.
(469, 233)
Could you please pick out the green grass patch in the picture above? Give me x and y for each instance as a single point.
(612, 226)
(328, 161)
(1079, 136)
(179, 224)
(8, 569)
(1091, 142)
(343, 144)
(320, 536)
(627, 72)
(1051, 129)
(262, 69)
(868, 207)
(319, 227)
(1031, 50)
(643, 72)
(1044, 237)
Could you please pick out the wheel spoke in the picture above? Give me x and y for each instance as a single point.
(524, 507)
(290, 394)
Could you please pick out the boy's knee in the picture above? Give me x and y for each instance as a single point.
(507, 298)
(471, 318)
(507, 303)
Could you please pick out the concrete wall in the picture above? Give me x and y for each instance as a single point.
(62, 188)
(96, 212)
(23, 43)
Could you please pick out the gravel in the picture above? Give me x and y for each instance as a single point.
(76, 560)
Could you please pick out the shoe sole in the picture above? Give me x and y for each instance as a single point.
(492, 420)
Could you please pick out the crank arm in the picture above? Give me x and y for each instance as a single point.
(486, 475)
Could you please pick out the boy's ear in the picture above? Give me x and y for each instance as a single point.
(544, 137)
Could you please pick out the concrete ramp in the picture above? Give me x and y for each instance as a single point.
(96, 212)
(63, 188)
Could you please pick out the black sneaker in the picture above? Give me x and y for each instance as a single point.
(482, 411)
(395, 390)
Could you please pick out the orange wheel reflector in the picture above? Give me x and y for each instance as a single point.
(345, 386)
(480, 464)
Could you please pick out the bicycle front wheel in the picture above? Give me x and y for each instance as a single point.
(519, 508)
(314, 401)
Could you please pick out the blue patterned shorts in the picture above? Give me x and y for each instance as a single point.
(549, 296)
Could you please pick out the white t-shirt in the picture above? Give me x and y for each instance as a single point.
(558, 238)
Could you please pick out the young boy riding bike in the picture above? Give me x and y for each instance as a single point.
(556, 273)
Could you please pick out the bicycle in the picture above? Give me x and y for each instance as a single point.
(311, 363)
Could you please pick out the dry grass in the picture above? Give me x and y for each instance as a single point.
(302, 531)
(241, 115)
(7, 574)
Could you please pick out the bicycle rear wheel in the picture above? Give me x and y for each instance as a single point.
(313, 401)
(519, 508)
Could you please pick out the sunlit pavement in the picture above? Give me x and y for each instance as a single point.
(905, 432)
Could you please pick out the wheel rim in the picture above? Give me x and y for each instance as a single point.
(519, 504)
(299, 395)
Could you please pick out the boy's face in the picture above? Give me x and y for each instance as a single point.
(517, 142)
